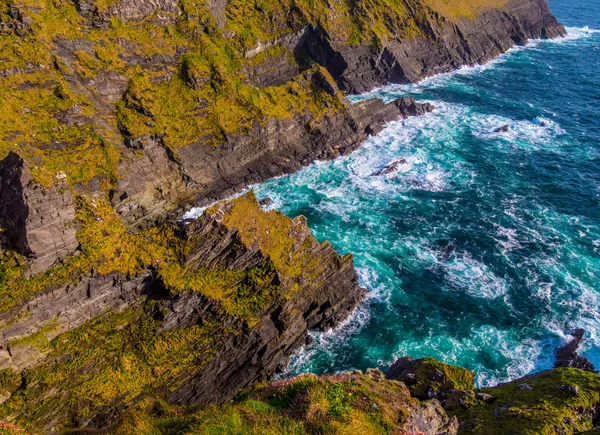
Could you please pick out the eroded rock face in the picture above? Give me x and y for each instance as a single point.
(323, 295)
(37, 222)
(126, 10)
(152, 185)
(305, 284)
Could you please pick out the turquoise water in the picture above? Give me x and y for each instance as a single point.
(521, 210)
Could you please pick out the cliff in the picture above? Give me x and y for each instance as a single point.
(225, 304)
(157, 105)
(117, 115)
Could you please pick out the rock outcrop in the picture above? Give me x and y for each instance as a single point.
(567, 355)
(37, 222)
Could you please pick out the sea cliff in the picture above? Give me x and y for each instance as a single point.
(118, 115)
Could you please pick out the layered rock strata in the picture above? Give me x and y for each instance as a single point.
(251, 284)
(35, 221)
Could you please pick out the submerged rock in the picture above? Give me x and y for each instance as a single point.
(392, 167)
(503, 129)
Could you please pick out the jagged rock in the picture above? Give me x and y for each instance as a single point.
(126, 10)
(503, 129)
(64, 308)
(265, 202)
(573, 389)
(234, 236)
(37, 222)
(152, 185)
(428, 379)
(487, 398)
(444, 45)
(392, 167)
(567, 355)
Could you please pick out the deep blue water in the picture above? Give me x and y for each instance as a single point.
(521, 210)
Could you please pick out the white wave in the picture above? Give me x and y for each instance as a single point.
(474, 278)
(508, 239)
(327, 341)
(575, 33)
(193, 213)
(533, 135)
(394, 91)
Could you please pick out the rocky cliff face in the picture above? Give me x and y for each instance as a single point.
(157, 105)
(414, 396)
(442, 44)
(238, 302)
(37, 222)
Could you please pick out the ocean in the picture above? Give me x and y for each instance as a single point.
(483, 249)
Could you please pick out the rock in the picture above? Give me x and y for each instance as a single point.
(573, 389)
(444, 46)
(37, 222)
(502, 129)
(525, 387)
(487, 398)
(567, 356)
(226, 237)
(265, 202)
(199, 174)
(427, 378)
(448, 252)
(430, 419)
(392, 167)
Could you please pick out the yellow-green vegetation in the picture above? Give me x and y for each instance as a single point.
(107, 247)
(119, 357)
(354, 404)
(109, 361)
(187, 78)
(561, 401)
(432, 375)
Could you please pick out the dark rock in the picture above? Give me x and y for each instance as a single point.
(487, 398)
(448, 252)
(401, 368)
(443, 45)
(392, 167)
(503, 129)
(573, 389)
(567, 355)
(525, 387)
(37, 222)
(265, 202)
(322, 296)
(427, 378)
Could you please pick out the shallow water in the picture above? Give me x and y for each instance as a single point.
(483, 249)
